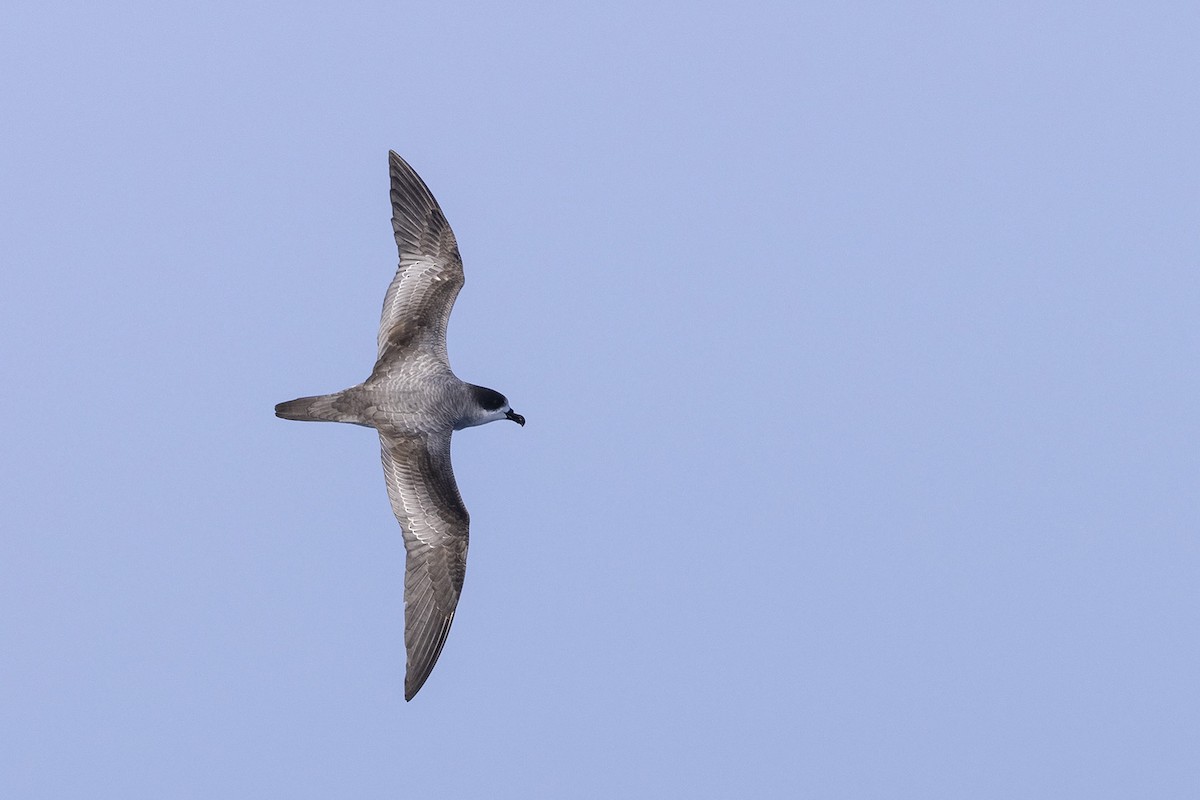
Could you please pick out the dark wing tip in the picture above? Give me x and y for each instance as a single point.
(405, 178)
(424, 655)
(417, 219)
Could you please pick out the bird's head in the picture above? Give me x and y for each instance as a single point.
(490, 406)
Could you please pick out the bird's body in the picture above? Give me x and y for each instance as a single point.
(415, 401)
(404, 400)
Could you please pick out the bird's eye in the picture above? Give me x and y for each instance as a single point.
(490, 399)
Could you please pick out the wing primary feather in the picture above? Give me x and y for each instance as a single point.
(416, 308)
(422, 660)
(426, 502)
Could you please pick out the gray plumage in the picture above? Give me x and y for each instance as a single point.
(415, 402)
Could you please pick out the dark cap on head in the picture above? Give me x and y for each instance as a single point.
(489, 399)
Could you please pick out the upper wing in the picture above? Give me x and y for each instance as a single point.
(425, 500)
(418, 302)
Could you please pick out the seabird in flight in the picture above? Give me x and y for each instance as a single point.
(415, 402)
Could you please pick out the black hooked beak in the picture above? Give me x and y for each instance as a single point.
(515, 417)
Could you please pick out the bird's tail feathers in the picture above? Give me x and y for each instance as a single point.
(323, 408)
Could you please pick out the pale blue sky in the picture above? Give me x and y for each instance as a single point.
(858, 344)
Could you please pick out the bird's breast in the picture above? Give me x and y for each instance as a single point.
(410, 400)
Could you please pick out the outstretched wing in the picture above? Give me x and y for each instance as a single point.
(431, 513)
(418, 301)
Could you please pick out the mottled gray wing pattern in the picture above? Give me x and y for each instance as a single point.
(418, 301)
(425, 499)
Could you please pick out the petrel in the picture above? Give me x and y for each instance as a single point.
(415, 402)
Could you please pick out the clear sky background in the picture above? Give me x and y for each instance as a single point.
(858, 344)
